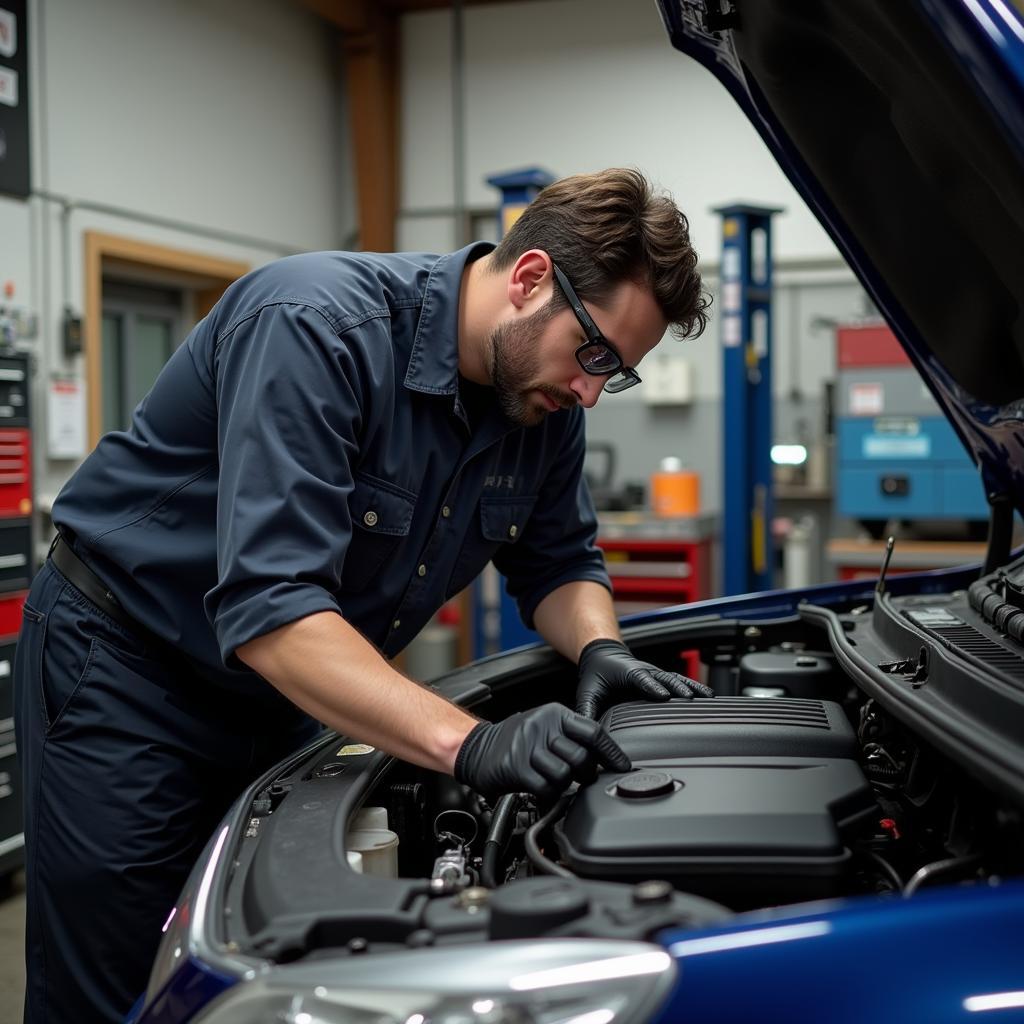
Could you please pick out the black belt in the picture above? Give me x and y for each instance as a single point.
(79, 575)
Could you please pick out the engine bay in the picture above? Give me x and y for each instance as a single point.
(866, 748)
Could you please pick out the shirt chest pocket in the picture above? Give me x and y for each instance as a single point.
(381, 519)
(501, 521)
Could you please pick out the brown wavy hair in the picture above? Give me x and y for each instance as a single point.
(609, 227)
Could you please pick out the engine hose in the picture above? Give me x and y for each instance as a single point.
(977, 592)
(537, 859)
(502, 823)
(890, 873)
(939, 868)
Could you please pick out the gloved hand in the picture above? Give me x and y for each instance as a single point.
(539, 751)
(610, 674)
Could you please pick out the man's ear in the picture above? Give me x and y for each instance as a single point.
(530, 280)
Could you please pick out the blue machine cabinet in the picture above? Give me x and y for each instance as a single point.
(898, 456)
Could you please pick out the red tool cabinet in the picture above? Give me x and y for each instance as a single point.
(16, 568)
(654, 563)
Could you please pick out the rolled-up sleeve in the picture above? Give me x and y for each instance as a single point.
(289, 400)
(558, 544)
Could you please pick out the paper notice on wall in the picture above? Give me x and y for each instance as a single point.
(8, 87)
(8, 33)
(65, 420)
(866, 399)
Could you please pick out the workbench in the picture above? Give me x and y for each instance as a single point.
(856, 559)
(654, 562)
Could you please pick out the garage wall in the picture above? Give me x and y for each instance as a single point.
(215, 127)
(221, 112)
(576, 85)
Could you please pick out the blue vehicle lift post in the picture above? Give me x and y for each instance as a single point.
(746, 331)
(518, 189)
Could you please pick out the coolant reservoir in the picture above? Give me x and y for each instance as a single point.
(373, 842)
(369, 817)
(378, 848)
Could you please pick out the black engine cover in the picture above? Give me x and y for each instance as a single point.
(738, 799)
(732, 725)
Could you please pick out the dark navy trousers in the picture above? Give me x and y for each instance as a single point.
(129, 762)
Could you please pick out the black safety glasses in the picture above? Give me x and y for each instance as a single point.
(596, 355)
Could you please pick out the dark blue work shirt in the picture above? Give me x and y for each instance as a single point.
(306, 449)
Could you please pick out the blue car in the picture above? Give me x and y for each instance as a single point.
(847, 845)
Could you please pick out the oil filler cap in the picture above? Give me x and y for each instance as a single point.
(638, 785)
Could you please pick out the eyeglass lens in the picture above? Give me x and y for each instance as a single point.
(619, 382)
(598, 359)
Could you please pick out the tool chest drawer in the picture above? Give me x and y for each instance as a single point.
(6, 683)
(14, 390)
(15, 472)
(15, 554)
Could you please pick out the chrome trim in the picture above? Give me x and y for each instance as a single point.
(12, 843)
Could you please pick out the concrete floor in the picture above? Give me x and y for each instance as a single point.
(12, 950)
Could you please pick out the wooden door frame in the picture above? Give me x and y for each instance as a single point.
(207, 275)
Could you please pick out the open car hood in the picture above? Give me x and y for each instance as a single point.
(902, 126)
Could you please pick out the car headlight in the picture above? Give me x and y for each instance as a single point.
(183, 941)
(553, 981)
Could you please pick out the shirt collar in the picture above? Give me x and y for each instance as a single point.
(434, 360)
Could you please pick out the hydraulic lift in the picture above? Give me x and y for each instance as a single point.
(746, 332)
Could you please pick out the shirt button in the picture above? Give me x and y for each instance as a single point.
(396, 623)
(370, 519)
(422, 570)
(513, 530)
(446, 511)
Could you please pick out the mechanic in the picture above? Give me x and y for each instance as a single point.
(340, 446)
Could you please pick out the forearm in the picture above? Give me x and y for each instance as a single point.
(323, 665)
(573, 615)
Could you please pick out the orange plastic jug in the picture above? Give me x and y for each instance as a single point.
(675, 492)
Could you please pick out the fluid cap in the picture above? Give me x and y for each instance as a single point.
(637, 785)
(533, 906)
(653, 893)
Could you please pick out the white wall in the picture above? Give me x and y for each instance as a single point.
(223, 120)
(220, 112)
(15, 245)
(577, 85)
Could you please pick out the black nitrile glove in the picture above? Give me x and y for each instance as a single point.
(609, 674)
(539, 751)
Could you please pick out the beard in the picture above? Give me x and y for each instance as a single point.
(515, 366)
